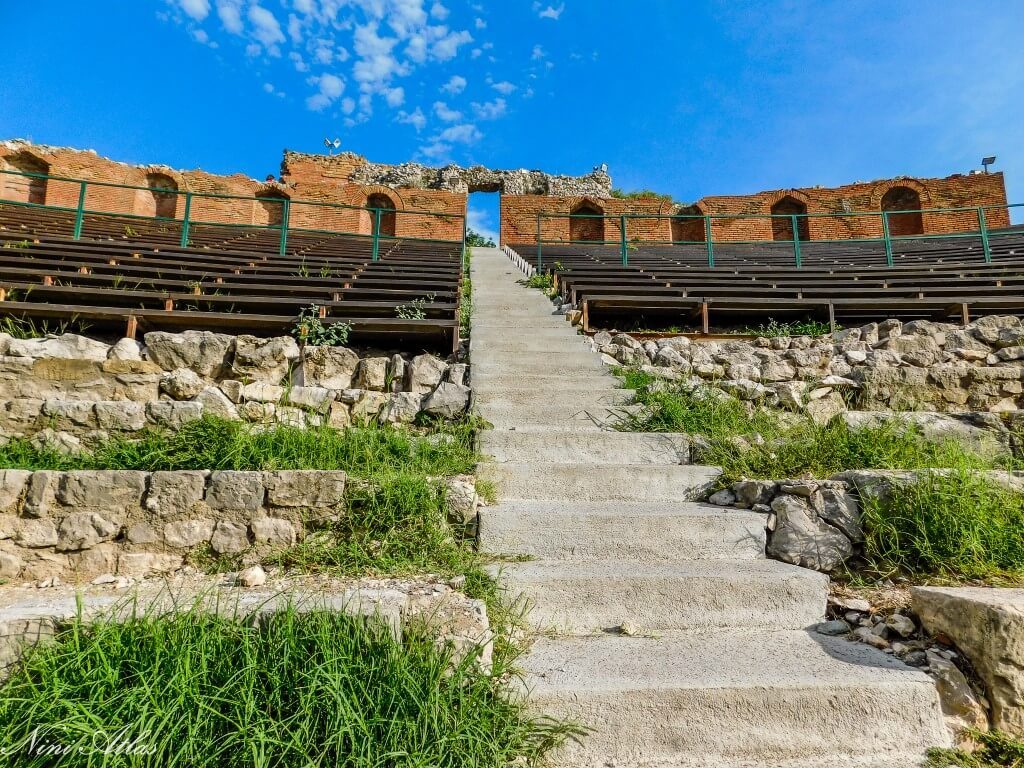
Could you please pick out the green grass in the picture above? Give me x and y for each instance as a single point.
(466, 300)
(774, 328)
(956, 525)
(544, 283)
(780, 446)
(995, 750)
(286, 691)
(218, 444)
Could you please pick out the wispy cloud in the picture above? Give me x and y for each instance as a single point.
(549, 12)
(445, 113)
(455, 85)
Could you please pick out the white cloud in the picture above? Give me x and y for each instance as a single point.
(415, 118)
(504, 87)
(550, 12)
(268, 87)
(376, 64)
(538, 53)
(330, 88)
(294, 28)
(230, 14)
(298, 61)
(348, 105)
(436, 151)
(456, 84)
(252, 50)
(448, 46)
(475, 53)
(490, 110)
(438, 11)
(197, 9)
(480, 23)
(466, 133)
(446, 113)
(480, 222)
(266, 28)
(395, 97)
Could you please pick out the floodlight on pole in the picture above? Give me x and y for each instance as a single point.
(332, 144)
(987, 161)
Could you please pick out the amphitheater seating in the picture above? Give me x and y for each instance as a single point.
(849, 282)
(127, 274)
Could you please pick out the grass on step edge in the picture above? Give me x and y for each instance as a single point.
(995, 750)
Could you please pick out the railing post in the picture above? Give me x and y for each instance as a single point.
(80, 211)
(887, 237)
(286, 213)
(708, 241)
(540, 250)
(796, 241)
(376, 234)
(185, 220)
(983, 227)
(624, 247)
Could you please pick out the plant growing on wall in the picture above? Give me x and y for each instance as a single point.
(312, 330)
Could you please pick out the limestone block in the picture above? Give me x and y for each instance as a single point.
(120, 415)
(368, 405)
(424, 373)
(125, 349)
(801, 538)
(232, 388)
(82, 530)
(396, 373)
(188, 533)
(69, 346)
(175, 493)
(275, 531)
(262, 392)
(109, 491)
(401, 408)
(261, 413)
(317, 399)
(372, 373)
(305, 488)
(70, 414)
(229, 538)
(216, 403)
(13, 483)
(173, 415)
(39, 532)
(182, 383)
(239, 491)
(147, 563)
(204, 352)
(330, 367)
(447, 401)
(267, 360)
(987, 625)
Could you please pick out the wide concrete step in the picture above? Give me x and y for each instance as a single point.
(541, 360)
(621, 531)
(568, 399)
(731, 699)
(568, 447)
(584, 381)
(606, 482)
(563, 332)
(558, 416)
(531, 343)
(586, 597)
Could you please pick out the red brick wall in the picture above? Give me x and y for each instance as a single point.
(310, 182)
(519, 213)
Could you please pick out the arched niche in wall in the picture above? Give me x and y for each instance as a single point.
(908, 199)
(28, 188)
(686, 229)
(387, 219)
(160, 198)
(583, 227)
(782, 228)
(269, 211)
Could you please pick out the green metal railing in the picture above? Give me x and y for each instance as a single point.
(797, 243)
(188, 220)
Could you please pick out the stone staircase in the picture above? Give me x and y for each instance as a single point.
(664, 628)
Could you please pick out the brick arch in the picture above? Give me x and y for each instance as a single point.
(902, 195)
(388, 221)
(881, 188)
(788, 202)
(581, 229)
(25, 189)
(160, 197)
(685, 230)
(268, 208)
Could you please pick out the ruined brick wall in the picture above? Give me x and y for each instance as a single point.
(519, 213)
(255, 202)
(519, 217)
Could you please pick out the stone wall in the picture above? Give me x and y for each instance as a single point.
(918, 365)
(77, 525)
(70, 390)
(519, 213)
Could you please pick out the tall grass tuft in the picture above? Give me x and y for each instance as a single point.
(955, 524)
(196, 690)
(767, 444)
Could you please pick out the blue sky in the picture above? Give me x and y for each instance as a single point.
(688, 98)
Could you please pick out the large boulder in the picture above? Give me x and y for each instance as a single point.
(268, 360)
(424, 373)
(987, 625)
(67, 346)
(800, 537)
(330, 367)
(447, 401)
(206, 353)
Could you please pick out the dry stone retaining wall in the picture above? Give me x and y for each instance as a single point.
(72, 388)
(918, 365)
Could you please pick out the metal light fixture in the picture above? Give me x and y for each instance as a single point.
(332, 144)
(987, 161)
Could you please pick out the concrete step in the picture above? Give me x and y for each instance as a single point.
(731, 699)
(556, 416)
(543, 361)
(529, 343)
(567, 398)
(608, 482)
(596, 448)
(582, 381)
(586, 597)
(494, 335)
(621, 531)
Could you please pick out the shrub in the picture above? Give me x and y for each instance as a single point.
(312, 330)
